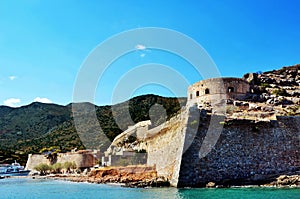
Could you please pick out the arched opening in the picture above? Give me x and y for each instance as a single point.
(230, 89)
(206, 91)
(197, 93)
(191, 96)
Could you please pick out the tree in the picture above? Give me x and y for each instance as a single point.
(43, 168)
(51, 153)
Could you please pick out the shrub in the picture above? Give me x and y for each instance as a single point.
(280, 92)
(265, 85)
(194, 122)
(57, 167)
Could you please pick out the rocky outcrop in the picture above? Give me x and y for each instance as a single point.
(123, 174)
(156, 182)
(284, 82)
(273, 93)
(286, 180)
(130, 176)
(283, 180)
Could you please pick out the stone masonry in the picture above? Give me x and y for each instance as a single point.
(246, 152)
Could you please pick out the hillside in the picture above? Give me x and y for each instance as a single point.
(30, 128)
(275, 92)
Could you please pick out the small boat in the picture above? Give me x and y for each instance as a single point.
(14, 169)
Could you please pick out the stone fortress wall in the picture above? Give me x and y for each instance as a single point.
(164, 146)
(82, 159)
(163, 143)
(246, 151)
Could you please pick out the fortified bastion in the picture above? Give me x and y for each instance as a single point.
(213, 90)
(245, 151)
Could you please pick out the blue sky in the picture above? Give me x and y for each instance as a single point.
(43, 44)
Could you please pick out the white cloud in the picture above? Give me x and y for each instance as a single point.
(42, 100)
(12, 77)
(12, 102)
(140, 47)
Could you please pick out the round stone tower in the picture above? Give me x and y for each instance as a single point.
(216, 89)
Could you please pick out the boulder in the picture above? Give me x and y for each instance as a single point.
(267, 108)
(254, 107)
(211, 185)
(245, 104)
(237, 103)
(295, 100)
(270, 101)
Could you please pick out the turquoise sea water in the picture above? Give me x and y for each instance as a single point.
(36, 188)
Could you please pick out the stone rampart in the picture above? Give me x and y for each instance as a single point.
(165, 145)
(82, 160)
(245, 153)
(34, 160)
(232, 151)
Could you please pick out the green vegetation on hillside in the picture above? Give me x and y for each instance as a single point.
(30, 128)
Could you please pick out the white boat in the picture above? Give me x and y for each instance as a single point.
(14, 169)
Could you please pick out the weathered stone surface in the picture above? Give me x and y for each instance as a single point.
(215, 90)
(246, 153)
(155, 182)
(254, 145)
(165, 147)
(286, 180)
(82, 160)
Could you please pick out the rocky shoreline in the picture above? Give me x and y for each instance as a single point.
(283, 181)
(286, 181)
(154, 182)
(142, 176)
(130, 176)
